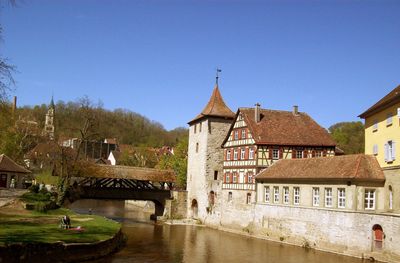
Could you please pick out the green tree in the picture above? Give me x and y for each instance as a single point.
(349, 136)
(177, 162)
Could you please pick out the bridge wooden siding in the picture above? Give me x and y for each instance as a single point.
(125, 183)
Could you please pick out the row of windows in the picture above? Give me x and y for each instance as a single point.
(369, 203)
(389, 150)
(233, 177)
(389, 121)
(248, 197)
(239, 134)
(245, 153)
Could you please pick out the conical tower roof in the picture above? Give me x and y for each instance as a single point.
(215, 107)
(51, 106)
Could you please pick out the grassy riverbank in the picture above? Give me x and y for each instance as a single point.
(18, 225)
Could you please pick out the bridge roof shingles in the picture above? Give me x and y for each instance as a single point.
(135, 173)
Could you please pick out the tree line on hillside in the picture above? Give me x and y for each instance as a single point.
(126, 126)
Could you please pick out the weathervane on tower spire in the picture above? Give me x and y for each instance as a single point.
(217, 76)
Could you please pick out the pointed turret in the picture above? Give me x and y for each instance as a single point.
(51, 106)
(215, 107)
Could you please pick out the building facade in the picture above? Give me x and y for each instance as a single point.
(382, 134)
(259, 138)
(13, 175)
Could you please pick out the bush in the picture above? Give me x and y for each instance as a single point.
(34, 188)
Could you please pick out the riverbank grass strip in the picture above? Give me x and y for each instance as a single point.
(33, 227)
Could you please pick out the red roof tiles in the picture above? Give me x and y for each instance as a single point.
(387, 101)
(215, 107)
(8, 165)
(354, 168)
(286, 128)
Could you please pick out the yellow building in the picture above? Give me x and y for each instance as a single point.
(382, 134)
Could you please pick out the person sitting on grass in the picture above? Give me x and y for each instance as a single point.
(65, 222)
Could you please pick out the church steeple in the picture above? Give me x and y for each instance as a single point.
(49, 123)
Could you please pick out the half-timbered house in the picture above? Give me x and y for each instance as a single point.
(259, 137)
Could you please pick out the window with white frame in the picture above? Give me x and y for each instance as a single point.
(227, 178)
(375, 149)
(244, 134)
(235, 154)
(267, 194)
(389, 119)
(228, 154)
(276, 194)
(286, 195)
(242, 154)
(235, 178)
(328, 197)
(369, 199)
(296, 195)
(248, 198)
(315, 194)
(342, 198)
(275, 154)
(299, 154)
(318, 153)
(390, 151)
(375, 126)
(236, 135)
(250, 177)
(251, 153)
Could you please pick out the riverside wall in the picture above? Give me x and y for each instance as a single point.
(348, 233)
(60, 252)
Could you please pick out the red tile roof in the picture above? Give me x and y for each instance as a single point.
(387, 101)
(285, 128)
(354, 168)
(215, 107)
(137, 173)
(8, 165)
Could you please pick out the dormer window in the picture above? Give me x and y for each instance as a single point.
(389, 119)
(375, 126)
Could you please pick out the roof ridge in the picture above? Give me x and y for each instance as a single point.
(358, 165)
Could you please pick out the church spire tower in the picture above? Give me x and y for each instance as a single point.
(205, 154)
(49, 123)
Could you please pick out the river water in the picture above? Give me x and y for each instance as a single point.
(176, 243)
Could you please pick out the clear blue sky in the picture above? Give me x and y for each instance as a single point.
(332, 58)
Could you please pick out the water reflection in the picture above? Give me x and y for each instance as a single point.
(172, 243)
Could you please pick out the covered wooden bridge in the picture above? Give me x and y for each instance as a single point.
(124, 183)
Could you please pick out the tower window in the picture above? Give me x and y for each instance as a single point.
(197, 147)
(215, 175)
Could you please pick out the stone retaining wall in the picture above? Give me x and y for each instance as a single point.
(59, 252)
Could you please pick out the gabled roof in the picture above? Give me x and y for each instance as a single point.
(284, 128)
(353, 168)
(8, 165)
(215, 107)
(387, 101)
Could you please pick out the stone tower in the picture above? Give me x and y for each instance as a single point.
(49, 123)
(205, 155)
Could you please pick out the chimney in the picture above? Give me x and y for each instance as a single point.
(295, 110)
(257, 113)
(14, 106)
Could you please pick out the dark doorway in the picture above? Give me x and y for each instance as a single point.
(3, 180)
(195, 208)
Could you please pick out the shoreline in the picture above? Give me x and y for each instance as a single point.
(60, 251)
